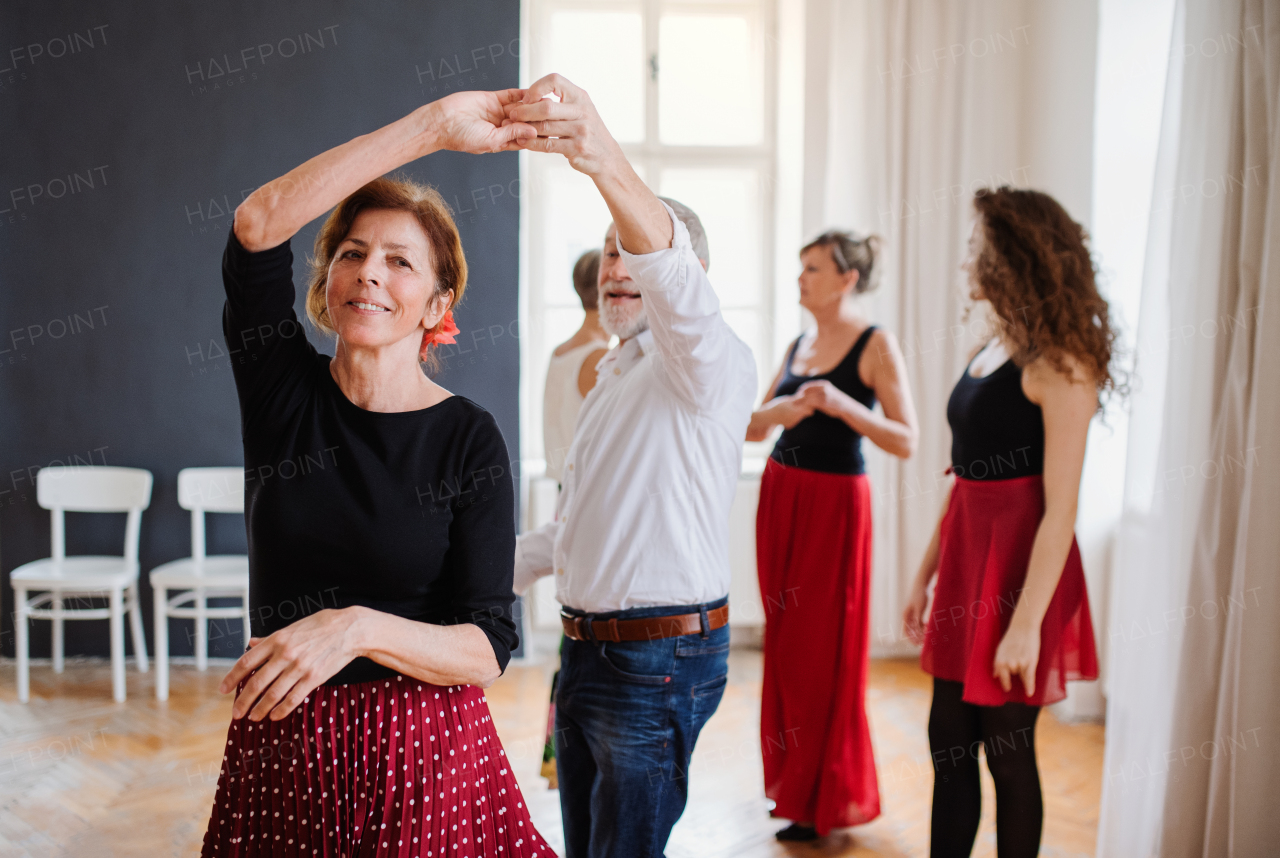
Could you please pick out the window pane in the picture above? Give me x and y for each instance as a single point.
(573, 220)
(603, 52)
(560, 325)
(710, 86)
(727, 202)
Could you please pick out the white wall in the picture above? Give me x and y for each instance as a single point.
(1056, 137)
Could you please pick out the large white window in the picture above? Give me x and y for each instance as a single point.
(689, 90)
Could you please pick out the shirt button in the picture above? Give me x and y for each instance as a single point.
(560, 571)
(571, 467)
(617, 371)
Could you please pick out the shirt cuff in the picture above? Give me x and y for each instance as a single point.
(526, 571)
(661, 270)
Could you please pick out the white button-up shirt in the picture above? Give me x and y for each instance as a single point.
(643, 514)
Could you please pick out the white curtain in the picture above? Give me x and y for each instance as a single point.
(1192, 767)
(910, 107)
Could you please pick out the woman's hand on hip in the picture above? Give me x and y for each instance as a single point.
(1018, 655)
(292, 663)
(475, 122)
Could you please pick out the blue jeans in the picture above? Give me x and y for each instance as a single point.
(627, 717)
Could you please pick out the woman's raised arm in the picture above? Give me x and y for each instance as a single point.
(462, 122)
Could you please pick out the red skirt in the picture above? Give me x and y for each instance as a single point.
(394, 767)
(813, 553)
(983, 552)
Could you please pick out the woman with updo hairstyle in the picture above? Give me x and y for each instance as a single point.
(813, 541)
(1009, 625)
(380, 516)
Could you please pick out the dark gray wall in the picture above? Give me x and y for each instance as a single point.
(129, 131)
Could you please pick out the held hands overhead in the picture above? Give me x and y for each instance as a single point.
(512, 119)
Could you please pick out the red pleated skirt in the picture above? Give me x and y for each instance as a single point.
(813, 553)
(394, 767)
(983, 552)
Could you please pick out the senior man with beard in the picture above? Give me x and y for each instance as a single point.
(639, 544)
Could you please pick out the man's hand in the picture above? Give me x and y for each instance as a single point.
(476, 122)
(569, 127)
(292, 663)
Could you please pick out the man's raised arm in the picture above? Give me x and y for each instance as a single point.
(704, 360)
(572, 127)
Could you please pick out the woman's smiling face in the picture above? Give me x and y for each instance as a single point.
(381, 285)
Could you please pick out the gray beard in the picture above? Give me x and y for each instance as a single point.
(625, 329)
(622, 324)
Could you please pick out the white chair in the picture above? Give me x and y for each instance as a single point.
(57, 578)
(200, 577)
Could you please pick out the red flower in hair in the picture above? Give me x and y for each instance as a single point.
(442, 334)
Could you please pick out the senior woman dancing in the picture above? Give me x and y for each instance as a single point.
(362, 730)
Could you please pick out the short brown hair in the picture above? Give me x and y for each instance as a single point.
(586, 276)
(390, 194)
(851, 253)
(1034, 267)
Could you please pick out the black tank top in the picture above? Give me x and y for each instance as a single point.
(821, 442)
(996, 432)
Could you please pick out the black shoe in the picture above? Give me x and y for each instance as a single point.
(795, 832)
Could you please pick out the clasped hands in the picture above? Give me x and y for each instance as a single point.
(814, 396)
(512, 119)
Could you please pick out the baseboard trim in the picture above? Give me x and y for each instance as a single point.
(72, 661)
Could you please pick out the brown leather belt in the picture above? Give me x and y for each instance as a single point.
(641, 629)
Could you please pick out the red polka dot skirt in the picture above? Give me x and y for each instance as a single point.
(395, 767)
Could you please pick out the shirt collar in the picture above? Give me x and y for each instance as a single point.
(633, 350)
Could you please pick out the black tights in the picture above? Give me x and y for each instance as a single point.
(1007, 734)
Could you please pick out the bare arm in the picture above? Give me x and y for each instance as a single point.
(895, 431)
(441, 655)
(769, 414)
(704, 363)
(463, 121)
(294, 661)
(913, 618)
(1068, 405)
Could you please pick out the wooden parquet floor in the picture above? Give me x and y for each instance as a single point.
(82, 776)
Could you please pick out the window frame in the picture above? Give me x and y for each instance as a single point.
(651, 157)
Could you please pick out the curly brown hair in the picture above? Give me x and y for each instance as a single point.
(390, 194)
(1033, 267)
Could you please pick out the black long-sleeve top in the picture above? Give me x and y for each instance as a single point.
(410, 513)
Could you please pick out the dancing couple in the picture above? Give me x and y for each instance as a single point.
(363, 730)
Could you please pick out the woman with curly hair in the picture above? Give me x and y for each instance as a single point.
(1010, 624)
